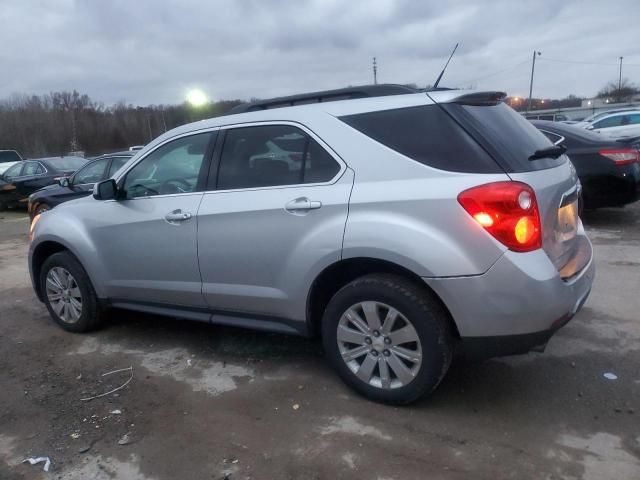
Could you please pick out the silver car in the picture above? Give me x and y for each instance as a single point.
(403, 229)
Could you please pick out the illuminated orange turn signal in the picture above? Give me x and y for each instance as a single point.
(525, 230)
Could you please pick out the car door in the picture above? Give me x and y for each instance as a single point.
(630, 126)
(8, 189)
(147, 238)
(34, 176)
(271, 220)
(608, 126)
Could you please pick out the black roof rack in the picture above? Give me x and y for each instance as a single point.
(349, 93)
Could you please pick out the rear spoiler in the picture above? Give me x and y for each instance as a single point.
(480, 98)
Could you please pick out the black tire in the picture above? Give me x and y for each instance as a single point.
(92, 314)
(420, 308)
(41, 207)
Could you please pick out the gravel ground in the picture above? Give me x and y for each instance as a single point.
(210, 402)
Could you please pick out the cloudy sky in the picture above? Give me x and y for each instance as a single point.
(155, 51)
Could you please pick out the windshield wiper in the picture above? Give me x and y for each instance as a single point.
(549, 152)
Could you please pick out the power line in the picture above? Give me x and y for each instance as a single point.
(580, 62)
(498, 72)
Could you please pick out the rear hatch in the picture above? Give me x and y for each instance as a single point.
(511, 140)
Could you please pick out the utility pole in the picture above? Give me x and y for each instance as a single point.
(533, 67)
(375, 71)
(620, 79)
(148, 115)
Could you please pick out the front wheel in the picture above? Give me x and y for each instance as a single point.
(43, 207)
(388, 338)
(69, 294)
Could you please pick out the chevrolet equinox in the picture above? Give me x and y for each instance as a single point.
(400, 228)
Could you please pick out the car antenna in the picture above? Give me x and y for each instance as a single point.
(435, 85)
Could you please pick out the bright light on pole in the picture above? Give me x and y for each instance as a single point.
(197, 98)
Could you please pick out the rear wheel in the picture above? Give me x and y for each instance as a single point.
(69, 294)
(388, 338)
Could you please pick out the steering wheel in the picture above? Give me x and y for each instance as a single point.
(174, 185)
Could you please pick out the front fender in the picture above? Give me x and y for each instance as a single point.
(65, 230)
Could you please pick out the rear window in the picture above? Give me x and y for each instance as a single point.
(427, 135)
(9, 156)
(68, 163)
(508, 136)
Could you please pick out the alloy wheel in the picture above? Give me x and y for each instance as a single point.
(379, 345)
(64, 295)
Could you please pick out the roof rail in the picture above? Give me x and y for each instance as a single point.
(348, 93)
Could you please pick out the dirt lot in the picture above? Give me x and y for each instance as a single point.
(208, 402)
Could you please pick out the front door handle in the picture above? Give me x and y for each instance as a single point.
(302, 204)
(177, 216)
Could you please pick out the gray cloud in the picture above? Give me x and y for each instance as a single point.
(154, 51)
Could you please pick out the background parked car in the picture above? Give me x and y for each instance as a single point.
(8, 158)
(617, 125)
(585, 122)
(554, 117)
(608, 170)
(24, 178)
(80, 184)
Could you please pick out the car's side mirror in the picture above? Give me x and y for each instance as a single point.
(590, 127)
(64, 182)
(105, 190)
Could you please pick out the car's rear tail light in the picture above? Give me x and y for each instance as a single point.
(621, 156)
(508, 211)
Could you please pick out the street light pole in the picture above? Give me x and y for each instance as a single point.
(533, 67)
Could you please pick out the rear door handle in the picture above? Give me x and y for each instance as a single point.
(302, 204)
(177, 216)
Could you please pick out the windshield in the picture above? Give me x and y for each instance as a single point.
(9, 156)
(67, 163)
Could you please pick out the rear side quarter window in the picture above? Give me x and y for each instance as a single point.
(426, 134)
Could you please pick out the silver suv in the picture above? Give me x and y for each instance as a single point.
(402, 229)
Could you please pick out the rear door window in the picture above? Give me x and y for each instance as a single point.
(634, 119)
(426, 134)
(609, 122)
(555, 139)
(30, 168)
(272, 155)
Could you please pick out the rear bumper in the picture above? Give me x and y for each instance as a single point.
(517, 304)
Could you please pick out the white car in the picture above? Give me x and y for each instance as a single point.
(7, 159)
(617, 125)
(584, 123)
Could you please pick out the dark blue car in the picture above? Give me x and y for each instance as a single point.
(80, 184)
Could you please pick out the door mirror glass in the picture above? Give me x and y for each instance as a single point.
(105, 190)
(64, 182)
